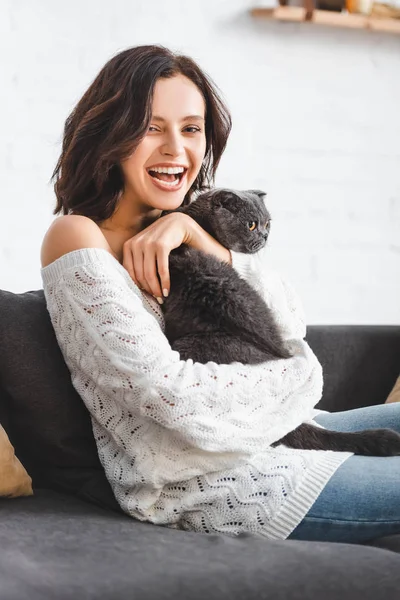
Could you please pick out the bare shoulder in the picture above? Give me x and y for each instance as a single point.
(69, 233)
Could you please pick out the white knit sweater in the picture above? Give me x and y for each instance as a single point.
(184, 444)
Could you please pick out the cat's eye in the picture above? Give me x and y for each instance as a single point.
(252, 225)
(267, 224)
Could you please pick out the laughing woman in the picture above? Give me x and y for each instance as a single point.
(184, 444)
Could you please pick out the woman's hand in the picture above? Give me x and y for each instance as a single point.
(147, 252)
(145, 255)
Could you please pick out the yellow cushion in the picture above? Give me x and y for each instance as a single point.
(14, 480)
(394, 395)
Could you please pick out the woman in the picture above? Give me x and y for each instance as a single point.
(187, 445)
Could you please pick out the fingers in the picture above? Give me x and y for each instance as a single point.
(138, 265)
(163, 271)
(133, 261)
(148, 266)
(150, 276)
(143, 270)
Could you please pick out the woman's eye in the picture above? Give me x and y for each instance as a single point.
(252, 225)
(152, 128)
(193, 129)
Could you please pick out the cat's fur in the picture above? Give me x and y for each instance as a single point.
(211, 314)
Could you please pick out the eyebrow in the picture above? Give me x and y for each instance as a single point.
(188, 118)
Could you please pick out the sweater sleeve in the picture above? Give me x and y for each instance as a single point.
(114, 345)
(278, 293)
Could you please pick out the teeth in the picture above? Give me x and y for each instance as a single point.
(168, 170)
(170, 183)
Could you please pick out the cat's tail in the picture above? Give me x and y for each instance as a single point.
(369, 442)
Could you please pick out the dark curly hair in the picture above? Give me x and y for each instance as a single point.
(112, 118)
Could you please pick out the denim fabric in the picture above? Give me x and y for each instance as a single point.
(361, 501)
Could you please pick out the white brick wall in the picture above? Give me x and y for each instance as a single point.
(316, 124)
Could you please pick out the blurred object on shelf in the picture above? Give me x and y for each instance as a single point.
(334, 5)
(361, 7)
(356, 14)
(311, 5)
(385, 10)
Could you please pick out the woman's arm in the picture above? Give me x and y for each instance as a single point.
(201, 240)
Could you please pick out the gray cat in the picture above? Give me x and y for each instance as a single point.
(211, 314)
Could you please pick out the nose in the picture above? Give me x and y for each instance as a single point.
(173, 144)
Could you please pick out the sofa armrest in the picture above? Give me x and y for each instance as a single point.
(361, 363)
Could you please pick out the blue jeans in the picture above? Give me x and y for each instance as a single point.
(361, 501)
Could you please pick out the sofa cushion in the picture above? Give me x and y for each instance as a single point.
(48, 424)
(3, 406)
(14, 480)
(60, 547)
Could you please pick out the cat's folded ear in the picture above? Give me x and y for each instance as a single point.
(259, 193)
(222, 197)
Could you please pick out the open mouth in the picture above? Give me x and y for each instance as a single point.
(168, 181)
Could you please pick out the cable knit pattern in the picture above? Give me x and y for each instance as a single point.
(184, 444)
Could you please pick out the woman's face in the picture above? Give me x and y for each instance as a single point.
(175, 141)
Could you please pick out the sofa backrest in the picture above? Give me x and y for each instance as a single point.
(360, 363)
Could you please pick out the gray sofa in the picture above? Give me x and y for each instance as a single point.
(70, 540)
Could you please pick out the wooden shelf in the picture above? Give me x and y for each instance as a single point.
(328, 18)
